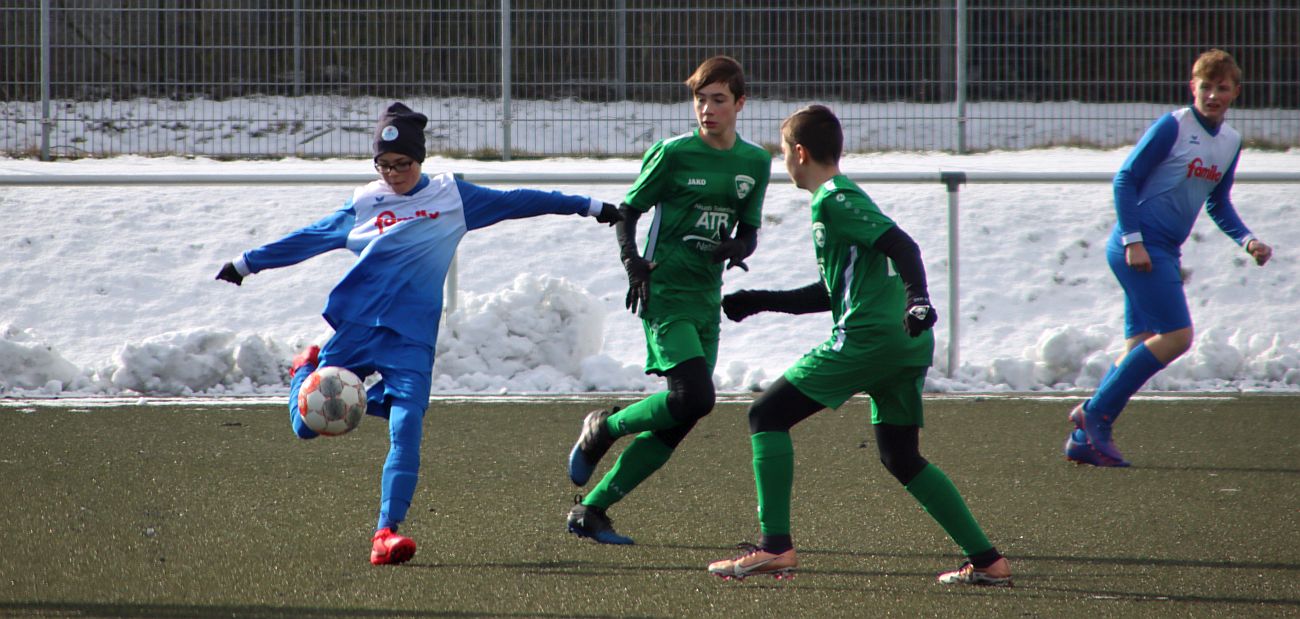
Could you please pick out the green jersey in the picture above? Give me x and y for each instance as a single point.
(696, 190)
(867, 296)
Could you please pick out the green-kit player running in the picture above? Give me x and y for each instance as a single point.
(873, 283)
(702, 185)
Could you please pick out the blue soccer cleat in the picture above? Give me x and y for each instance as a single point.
(591, 522)
(1098, 449)
(1077, 450)
(593, 441)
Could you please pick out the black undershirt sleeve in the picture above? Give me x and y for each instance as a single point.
(906, 255)
(806, 300)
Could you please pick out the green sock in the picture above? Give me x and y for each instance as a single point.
(648, 414)
(774, 476)
(638, 462)
(937, 494)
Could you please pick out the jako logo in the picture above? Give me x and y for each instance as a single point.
(1197, 169)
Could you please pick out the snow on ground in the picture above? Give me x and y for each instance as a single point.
(109, 290)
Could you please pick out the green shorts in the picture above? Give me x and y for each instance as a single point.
(831, 378)
(670, 343)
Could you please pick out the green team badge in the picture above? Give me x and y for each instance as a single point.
(743, 185)
(819, 234)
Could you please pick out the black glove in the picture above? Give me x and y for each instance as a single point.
(609, 214)
(920, 316)
(638, 283)
(731, 250)
(742, 304)
(231, 274)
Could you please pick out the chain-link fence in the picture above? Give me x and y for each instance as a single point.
(502, 78)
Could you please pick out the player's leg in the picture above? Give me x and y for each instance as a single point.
(1154, 303)
(681, 351)
(346, 348)
(897, 417)
(298, 375)
(690, 397)
(1076, 443)
(406, 368)
(771, 416)
(684, 353)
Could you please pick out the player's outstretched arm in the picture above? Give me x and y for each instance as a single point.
(638, 268)
(742, 304)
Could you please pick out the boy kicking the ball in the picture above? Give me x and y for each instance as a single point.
(404, 229)
(873, 283)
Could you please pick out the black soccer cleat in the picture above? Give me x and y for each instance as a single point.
(593, 442)
(591, 522)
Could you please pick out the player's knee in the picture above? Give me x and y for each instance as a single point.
(1181, 340)
(903, 465)
(690, 400)
(764, 417)
(672, 437)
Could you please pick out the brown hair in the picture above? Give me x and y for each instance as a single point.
(1216, 65)
(818, 130)
(722, 69)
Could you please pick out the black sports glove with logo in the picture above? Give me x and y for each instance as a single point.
(230, 274)
(638, 283)
(920, 316)
(733, 251)
(608, 214)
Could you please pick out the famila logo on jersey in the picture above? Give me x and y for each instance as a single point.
(388, 219)
(1197, 169)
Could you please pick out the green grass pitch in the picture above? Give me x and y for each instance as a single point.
(165, 510)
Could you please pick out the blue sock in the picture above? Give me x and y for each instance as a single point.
(1138, 366)
(1079, 436)
(295, 384)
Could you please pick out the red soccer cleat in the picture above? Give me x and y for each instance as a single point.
(308, 356)
(389, 548)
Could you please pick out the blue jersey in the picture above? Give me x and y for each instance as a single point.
(404, 246)
(1179, 165)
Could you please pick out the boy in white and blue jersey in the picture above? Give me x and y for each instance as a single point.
(1186, 159)
(404, 229)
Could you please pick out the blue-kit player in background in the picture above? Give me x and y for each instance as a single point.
(1187, 159)
(404, 229)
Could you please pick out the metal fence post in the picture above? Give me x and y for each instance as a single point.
(46, 122)
(297, 48)
(621, 50)
(505, 80)
(961, 76)
(953, 180)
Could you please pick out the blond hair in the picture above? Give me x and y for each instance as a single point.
(1216, 65)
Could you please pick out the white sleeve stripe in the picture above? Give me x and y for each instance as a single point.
(593, 209)
(241, 265)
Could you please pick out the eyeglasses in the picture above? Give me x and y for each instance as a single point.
(401, 166)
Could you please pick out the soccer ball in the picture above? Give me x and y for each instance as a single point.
(332, 400)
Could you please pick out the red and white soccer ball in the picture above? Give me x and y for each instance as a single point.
(332, 401)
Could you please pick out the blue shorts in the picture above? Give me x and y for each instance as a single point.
(1154, 302)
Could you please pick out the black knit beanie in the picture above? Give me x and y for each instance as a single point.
(401, 130)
